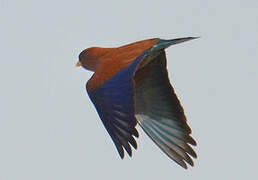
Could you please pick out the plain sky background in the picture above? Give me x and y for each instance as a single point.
(50, 130)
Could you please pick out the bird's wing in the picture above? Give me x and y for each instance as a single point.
(115, 105)
(160, 113)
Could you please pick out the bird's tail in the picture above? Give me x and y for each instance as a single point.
(163, 44)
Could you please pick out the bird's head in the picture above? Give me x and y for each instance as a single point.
(87, 59)
(90, 58)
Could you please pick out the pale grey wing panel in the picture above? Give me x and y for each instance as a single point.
(160, 113)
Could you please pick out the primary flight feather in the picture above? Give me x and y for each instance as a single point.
(130, 85)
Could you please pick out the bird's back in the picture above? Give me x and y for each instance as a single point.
(117, 59)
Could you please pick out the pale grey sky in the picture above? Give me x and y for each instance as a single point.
(50, 130)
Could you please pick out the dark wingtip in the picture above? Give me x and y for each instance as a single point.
(130, 154)
(135, 132)
(191, 141)
(194, 155)
(132, 142)
(121, 152)
(190, 162)
(122, 156)
(184, 166)
(128, 149)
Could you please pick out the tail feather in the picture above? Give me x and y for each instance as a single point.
(163, 44)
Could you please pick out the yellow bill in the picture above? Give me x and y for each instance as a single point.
(78, 64)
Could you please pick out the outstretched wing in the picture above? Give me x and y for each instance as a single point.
(115, 105)
(160, 113)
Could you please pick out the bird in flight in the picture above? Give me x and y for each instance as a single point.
(130, 86)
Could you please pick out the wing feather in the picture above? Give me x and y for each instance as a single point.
(115, 105)
(160, 113)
